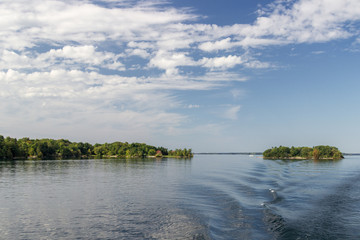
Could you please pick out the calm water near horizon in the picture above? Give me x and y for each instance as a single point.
(207, 197)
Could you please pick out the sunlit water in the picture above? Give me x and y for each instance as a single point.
(207, 197)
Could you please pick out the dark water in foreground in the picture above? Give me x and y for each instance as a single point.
(208, 197)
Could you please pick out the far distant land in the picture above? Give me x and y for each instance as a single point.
(254, 153)
(229, 153)
(320, 152)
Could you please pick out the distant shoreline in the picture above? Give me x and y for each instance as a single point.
(230, 153)
(257, 153)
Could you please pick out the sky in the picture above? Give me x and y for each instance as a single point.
(211, 75)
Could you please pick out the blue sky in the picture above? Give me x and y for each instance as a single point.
(214, 76)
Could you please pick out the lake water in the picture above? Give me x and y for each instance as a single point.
(207, 197)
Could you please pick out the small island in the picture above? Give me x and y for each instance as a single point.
(317, 153)
(26, 148)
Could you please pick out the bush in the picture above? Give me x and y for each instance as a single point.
(318, 152)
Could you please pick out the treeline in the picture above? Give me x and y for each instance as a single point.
(25, 148)
(181, 153)
(317, 152)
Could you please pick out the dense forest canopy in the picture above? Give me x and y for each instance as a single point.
(317, 152)
(24, 148)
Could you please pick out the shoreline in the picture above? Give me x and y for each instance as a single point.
(298, 158)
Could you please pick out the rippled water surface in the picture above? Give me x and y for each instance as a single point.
(207, 197)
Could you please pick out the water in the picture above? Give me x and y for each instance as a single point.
(208, 197)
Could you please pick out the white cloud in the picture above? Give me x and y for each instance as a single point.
(87, 54)
(355, 46)
(190, 106)
(221, 62)
(218, 77)
(304, 21)
(257, 64)
(217, 45)
(59, 57)
(237, 93)
(66, 57)
(65, 99)
(26, 23)
(11, 59)
(140, 45)
(138, 52)
(232, 112)
(318, 52)
(150, 30)
(169, 61)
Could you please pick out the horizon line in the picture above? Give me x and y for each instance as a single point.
(249, 153)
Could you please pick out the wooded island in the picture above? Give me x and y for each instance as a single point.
(26, 148)
(316, 153)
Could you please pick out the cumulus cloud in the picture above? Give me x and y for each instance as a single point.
(80, 21)
(106, 59)
(80, 54)
(11, 59)
(169, 61)
(284, 22)
(221, 62)
(217, 45)
(138, 52)
(66, 57)
(64, 99)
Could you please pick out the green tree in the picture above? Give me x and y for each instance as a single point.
(65, 153)
(316, 154)
(11, 148)
(306, 152)
(2, 154)
(152, 152)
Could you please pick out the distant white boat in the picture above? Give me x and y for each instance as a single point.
(251, 155)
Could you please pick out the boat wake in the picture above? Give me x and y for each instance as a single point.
(276, 200)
